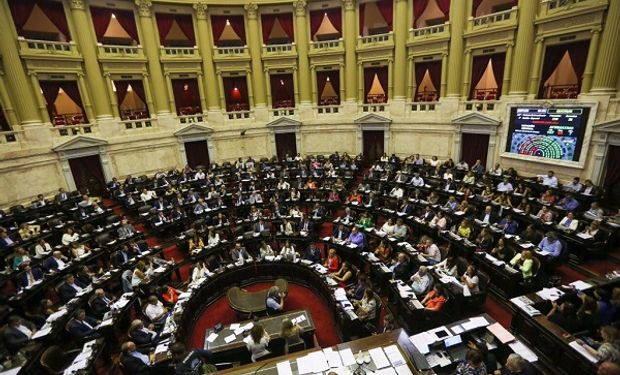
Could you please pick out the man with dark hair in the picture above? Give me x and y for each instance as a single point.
(189, 362)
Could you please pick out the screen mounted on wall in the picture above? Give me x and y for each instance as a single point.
(552, 133)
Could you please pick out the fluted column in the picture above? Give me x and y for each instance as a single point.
(523, 47)
(18, 84)
(507, 69)
(588, 71)
(444, 74)
(302, 41)
(86, 100)
(112, 94)
(315, 94)
(608, 62)
(151, 48)
(201, 92)
(7, 103)
(535, 72)
(411, 83)
(41, 105)
(206, 52)
(458, 17)
(147, 93)
(88, 47)
(256, 49)
(350, 32)
(467, 61)
(401, 32)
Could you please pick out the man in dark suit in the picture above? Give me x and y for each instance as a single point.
(306, 225)
(341, 233)
(56, 261)
(29, 277)
(17, 333)
(159, 204)
(5, 240)
(70, 288)
(449, 185)
(370, 200)
(428, 214)
(101, 303)
(487, 216)
(62, 196)
(261, 226)
(401, 269)
(405, 208)
(81, 325)
(318, 211)
(134, 362)
(123, 255)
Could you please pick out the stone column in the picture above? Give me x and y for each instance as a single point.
(39, 98)
(315, 94)
(588, 71)
(401, 32)
(87, 42)
(206, 52)
(523, 47)
(151, 48)
(444, 74)
(18, 84)
(112, 94)
(302, 41)
(9, 111)
(507, 69)
(171, 103)
(608, 62)
(148, 93)
(466, 74)
(84, 93)
(532, 92)
(458, 19)
(201, 91)
(220, 85)
(350, 32)
(256, 50)
(411, 83)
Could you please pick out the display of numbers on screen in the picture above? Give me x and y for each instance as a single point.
(553, 133)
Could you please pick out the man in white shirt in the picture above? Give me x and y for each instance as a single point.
(432, 252)
(147, 195)
(462, 166)
(417, 180)
(420, 281)
(574, 185)
(69, 236)
(397, 192)
(548, 180)
(505, 186)
(155, 310)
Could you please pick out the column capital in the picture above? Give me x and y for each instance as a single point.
(252, 10)
(32, 74)
(539, 39)
(107, 74)
(596, 30)
(80, 74)
(145, 74)
(201, 10)
(300, 7)
(444, 54)
(468, 51)
(510, 44)
(144, 7)
(349, 4)
(77, 4)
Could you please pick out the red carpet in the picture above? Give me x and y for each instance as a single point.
(299, 298)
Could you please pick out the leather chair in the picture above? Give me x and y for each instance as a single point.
(54, 360)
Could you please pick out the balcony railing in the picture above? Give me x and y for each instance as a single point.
(137, 123)
(67, 130)
(37, 46)
(430, 31)
(485, 94)
(491, 19)
(326, 44)
(9, 136)
(423, 106)
(375, 39)
(239, 115)
(555, 4)
(480, 105)
(561, 92)
(279, 48)
(68, 119)
(373, 107)
(231, 51)
(327, 109)
(180, 52)
(279, 112)
(191, 119)
(120, 51)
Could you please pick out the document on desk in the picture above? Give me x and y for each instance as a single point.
(550, 294)
(318, 361)
(475, 322)
(229, 339)
(304, 365)
(395, 356)
(347, 357)
(379, 358)
(239, 330)
(386, 371)
(403, 370)
(581, 285)
(284, 368)
(522, 350)
(234, 326)
(502, 334)
(421, 341)
(581, 350)
(333, 358)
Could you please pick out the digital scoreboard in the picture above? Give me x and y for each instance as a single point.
(552, 133)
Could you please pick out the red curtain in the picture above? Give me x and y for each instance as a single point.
(478, 67)
(385, 7)
(217, 26)
(369, 75)
(185, 98)
(240, 83)
(362, 20)
(282, 91)
(187, 26)
(88, 174)
(4, 124)
(434, 71)
(334, 15)
(474, 147)
(56, 13)
(612, 172)
(418, 8)
(101, 20)
(267, 21)
(50, 93)
(578, 53)
(128, 22)
(475, 6)
(334, 78)
(71, 89)
(286, 20)
(498, 61)
(553, 56)
(238, 24)
(121, 90)
(197, 153)
(138, 88)
(164, 24)
(21, 10)
(444, 5)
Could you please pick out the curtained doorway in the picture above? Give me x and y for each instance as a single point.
(286, 144)
(474, 147)
(612, 176)
(197, 154)
(373, 145)
(88, 175)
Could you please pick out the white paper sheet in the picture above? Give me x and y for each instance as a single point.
(583, 351)
(212, 337)
(284, 368)
(395, 356)
(502, 334)
(347, 357)
(229, 339)
(379, 358)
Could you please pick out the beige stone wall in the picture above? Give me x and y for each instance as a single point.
(26, 178)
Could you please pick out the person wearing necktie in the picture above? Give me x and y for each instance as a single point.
(81, 325)
(61, 196)
(70, 288)
(30, 276)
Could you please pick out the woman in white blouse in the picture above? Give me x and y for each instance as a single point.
(388, 227)
(288, 252)
(265, 250)
(201, 271)
(257, 342)
(213, 239)
(69, 236)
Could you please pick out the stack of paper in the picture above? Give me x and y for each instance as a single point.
(501, 333)
(522, 350)
(550, 294)
(395, 356)
(583, 351)
(581, 285)
(379, 358)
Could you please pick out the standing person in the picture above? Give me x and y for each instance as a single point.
(257, 342)
(275, 301)
(291, 333)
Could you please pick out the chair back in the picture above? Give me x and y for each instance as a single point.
(535, 266)
(296, 346)
(53, 360)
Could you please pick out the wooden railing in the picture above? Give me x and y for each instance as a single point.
(561, 92)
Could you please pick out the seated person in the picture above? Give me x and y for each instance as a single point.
(545, 214)
(431, 252)
(501, 251)
(448, 265)
(470, 279)
(265, 250)
(17, 333)
(388, 227)
(421, 281)
(439, 221)
(261, 226)
(239, 254)
(569, 203)
(288, 252)
(201, 270)
(344, 274)
(357, 291)
(530, 234)
(435, 299)
(79, 250)
(213, 238)
(29, 277)
(20, 257)
(384, 252)
(508, 225)
(27, 231)
(133, 361)
(56, 262)
(356, 238)
(473, 365)
(366, 308)
(564, 315)
(42, 248)
(516, 365)
(69, 236)
(305, 226)
(595, 212)
(487, 217)
(341, 233)
(70, 288)
(287, 228)
(313, 253)
(608, 349)
(275, 301)
(568, 223)
(195, 243)
(257, 342)
(401, 267)
(291, 333)
(365, 221)
(464, 229)
(400, 229)
(170, 295)
(81, 325)
(485, 240)
(155, 310)
(547, 198)
(141, 335)
(551, 244)
(332, 262)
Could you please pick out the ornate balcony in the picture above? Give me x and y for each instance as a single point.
(328, 109)
(115, 52)
(34, 48)
(377, 41)
(553, 7)
(430, 33)
(276, 51)
(239, 115)
(423, 106)
(280, 112)
(492, 20)
(191, 119)
(70, 130)
(231, 53)
(180, 53)
(326, 47)
(138, 123)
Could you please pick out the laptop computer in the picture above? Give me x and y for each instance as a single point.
(455, 348)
